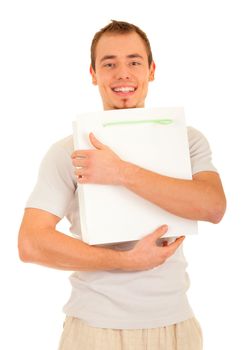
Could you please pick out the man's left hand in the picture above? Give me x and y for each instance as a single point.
(99, 166)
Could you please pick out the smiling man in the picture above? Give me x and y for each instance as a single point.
(128, 295)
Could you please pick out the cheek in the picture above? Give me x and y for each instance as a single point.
(103, 87)
(143, 78)
(102, 78)
(144, 85)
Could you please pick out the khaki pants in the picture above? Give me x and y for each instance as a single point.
(77, 335)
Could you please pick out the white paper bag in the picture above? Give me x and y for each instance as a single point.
(155, 139)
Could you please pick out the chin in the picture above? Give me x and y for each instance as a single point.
(126, 104)
(124, 107)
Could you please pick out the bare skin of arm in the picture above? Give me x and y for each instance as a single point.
(39, 242)
(201, 198)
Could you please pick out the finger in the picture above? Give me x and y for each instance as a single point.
(160, 231)
(79, 172)
(80, 162)
(95, 142)
(173, 246)
(79, 154)
(82, 179)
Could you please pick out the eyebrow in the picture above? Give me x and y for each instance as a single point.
(109, 57)
(135, 55)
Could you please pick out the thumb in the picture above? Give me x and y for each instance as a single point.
(95, 142)
(159, 232)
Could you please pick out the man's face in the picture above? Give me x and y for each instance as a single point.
(122, 72)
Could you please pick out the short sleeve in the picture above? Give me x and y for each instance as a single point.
(55, 187)
(200, 152)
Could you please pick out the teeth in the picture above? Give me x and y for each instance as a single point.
(124, 89)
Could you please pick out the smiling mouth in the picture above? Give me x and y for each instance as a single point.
(124, 90)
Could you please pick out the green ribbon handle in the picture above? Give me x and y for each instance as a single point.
(148, 121)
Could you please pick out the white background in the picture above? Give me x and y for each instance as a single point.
(200, 48)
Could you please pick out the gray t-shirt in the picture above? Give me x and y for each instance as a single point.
(117, 299)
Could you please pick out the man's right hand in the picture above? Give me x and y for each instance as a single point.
(146, 254)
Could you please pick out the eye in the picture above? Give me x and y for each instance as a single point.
(135, 63)
(109, 65)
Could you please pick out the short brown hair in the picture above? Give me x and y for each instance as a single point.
(119, 27)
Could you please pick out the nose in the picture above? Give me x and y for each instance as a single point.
(123, 72)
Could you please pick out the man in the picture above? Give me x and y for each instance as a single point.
(128, 295)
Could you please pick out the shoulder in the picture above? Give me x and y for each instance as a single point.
(64, 145)
(60, 151)
(57, 159)
(56, 184)
(200, 152)
(197, 140)
(195, 135)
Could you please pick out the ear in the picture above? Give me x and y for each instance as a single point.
(152, 71)
(93, 74)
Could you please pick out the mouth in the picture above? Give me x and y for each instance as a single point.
(124, 90)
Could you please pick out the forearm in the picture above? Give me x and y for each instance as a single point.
(54, 249)
(191, 199)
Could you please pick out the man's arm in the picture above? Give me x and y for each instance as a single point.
(201, 198)
(39, 242)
